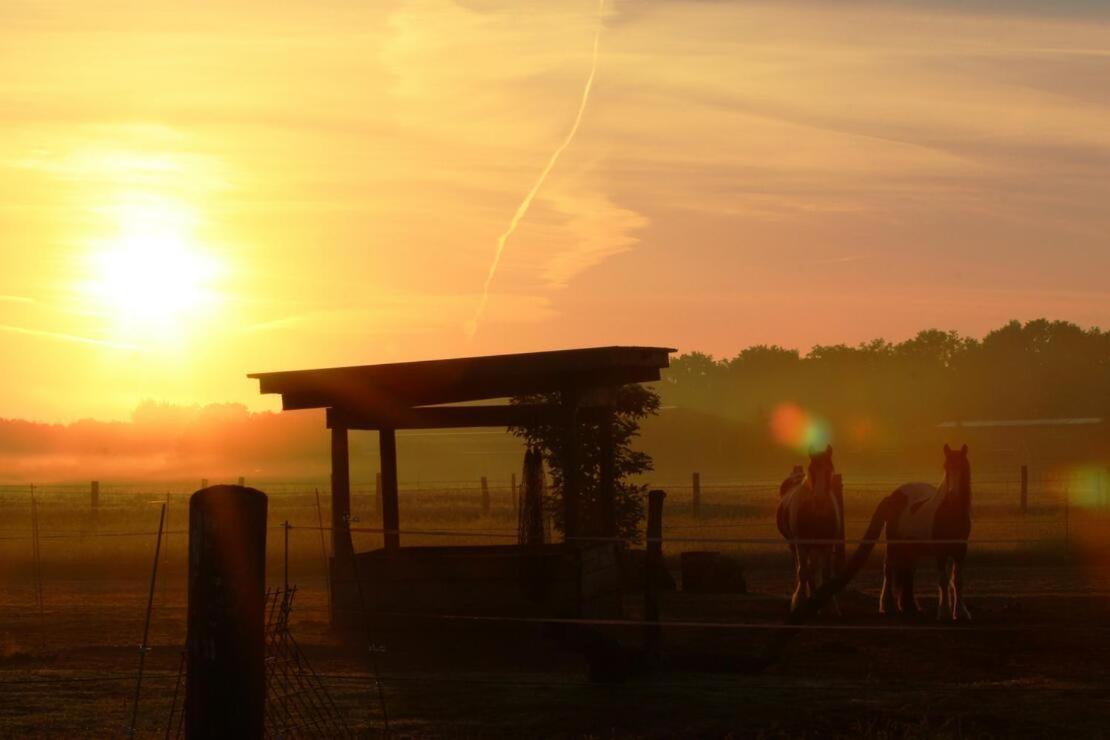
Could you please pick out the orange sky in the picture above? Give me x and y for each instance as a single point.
(189, 196)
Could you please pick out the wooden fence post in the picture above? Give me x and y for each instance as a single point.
(225, 685)
(653, 566)
(1024, 489)
(695, 502)
(485, 496)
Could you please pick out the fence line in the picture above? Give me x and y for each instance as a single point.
(506, 534)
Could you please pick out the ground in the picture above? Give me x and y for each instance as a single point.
(1034, 662)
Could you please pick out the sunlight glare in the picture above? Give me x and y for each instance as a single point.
(151, 277)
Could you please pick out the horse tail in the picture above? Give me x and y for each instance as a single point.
(852, 567)
(811, 606)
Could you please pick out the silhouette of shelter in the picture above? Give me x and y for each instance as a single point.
(438, 394)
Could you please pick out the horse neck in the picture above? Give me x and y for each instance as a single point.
(811, 484)
(955, 496)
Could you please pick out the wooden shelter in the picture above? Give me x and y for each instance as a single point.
(428, 394)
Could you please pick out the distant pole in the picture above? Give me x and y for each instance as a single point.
(285, 553)
(1067, 516)
(653, 564)
(242, 481)
(203, 483)
(143, 647)
(695, 502)
(36, 569)
(1024, 489)
(225, 685)
(485, 496)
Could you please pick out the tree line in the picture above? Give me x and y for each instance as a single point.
(1038, 370)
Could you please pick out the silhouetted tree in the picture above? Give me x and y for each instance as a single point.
(1039, 369)
(633, 403)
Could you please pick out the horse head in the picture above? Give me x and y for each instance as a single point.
(957, 472)
(819, 473)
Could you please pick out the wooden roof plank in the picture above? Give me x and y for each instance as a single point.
(464, 379)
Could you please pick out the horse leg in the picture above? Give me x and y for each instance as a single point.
(907, 599)
(959, 608)
(886, 596)
(827, 575)
(943, 577)
(810, 572)
(798, 576)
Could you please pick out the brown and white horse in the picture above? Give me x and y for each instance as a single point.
(811, 518)
(926, 521)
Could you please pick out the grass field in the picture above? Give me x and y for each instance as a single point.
(1033, 662)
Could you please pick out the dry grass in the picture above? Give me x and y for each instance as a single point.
(504, 684)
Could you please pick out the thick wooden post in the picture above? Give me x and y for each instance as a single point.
(695, 501)
(1024, 489)
(391, 518)
(653, 566)
(607, 475)
(485, 496)
(226, 644)
(378, 495)
(571, 514)
(341, 546)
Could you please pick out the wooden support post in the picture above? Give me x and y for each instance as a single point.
(607, 476)
(695, 501)
(653, 566)
(378, 496)
(485, 496)
(391, 518)
(225, 682)
(571, 513)
(1024, 489)
(342, 548)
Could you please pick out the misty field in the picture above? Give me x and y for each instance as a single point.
(1033, 659)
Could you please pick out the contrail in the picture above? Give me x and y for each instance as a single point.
(522, 209)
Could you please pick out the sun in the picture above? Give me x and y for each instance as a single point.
(151, 278)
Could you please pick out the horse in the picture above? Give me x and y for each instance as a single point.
(811, 518)
(920, 521)
(927, 521)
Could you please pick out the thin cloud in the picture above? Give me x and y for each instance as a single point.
(63, 337)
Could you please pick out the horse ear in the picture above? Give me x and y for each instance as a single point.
(963, 450)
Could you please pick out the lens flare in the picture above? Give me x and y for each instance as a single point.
(794, 427)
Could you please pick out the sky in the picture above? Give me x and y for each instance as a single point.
(189, 193)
